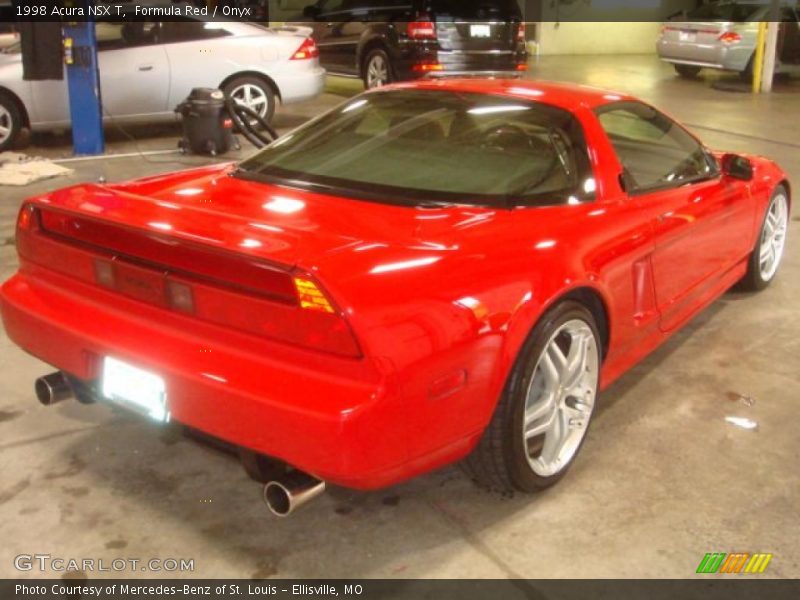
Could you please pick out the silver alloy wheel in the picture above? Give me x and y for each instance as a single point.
(377, 72)
(560, 398)
(252, 96)
(6, 124)
(773, 236)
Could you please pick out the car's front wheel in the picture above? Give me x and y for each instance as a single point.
(377, 70)
(540, 423)
(688, 71)
(768, 252)
(10, 122)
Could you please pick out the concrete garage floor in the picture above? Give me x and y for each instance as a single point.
(662, 479)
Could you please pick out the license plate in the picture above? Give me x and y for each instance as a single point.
(480, 31)
(134, 388)
(687, 36)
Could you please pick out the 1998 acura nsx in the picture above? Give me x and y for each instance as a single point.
(432, 271)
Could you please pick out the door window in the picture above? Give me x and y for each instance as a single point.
(115, 35)
(190, 30)
(654, 150)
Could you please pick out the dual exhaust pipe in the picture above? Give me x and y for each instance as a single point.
(283, 496)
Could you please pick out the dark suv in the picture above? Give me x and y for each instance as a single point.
(382, 41)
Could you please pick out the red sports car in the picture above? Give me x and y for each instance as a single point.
(433, 271)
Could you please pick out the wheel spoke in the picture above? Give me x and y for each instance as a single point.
(534, 428)
(576, 361)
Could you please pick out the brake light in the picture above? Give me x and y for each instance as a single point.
(308, 49)
(730, 37)
(27, 216)
(522, 67)
(427, 67)
(422, 29)
(521, 32)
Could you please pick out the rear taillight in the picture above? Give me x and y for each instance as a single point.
(730, 37)
(427, 67)
(27, 217)
(521, 32)
(229, 289)
(522, 67)
(308, 49)
(422, 29)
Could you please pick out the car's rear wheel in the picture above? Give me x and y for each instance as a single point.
(768, 252)
(254, 93)
(688, 71)
(540, 423)
(377, 70)
(10, 122)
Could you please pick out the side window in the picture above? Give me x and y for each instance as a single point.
(654, 150)
(115, 35)
(190, 30)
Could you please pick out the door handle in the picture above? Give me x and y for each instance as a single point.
(146, 67)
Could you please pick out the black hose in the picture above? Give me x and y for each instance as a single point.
(239, 115)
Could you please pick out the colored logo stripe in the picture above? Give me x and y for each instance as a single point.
(720, 562)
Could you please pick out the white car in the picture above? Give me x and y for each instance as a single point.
(147, 68)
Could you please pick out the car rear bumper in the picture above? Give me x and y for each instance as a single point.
(338, 419)
(715, 56)
(301, 84)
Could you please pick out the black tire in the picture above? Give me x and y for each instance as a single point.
(10, 122)
(754, 281)
(264, 87)
(376, 55)
(688, 71)
(499, 461)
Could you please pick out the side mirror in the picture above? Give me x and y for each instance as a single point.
(311, 11)
(737, 167)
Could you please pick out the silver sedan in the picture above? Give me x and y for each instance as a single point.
(147, 68)
(723, 36)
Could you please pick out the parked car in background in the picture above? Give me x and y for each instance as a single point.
(147, 68)
(723, 36)
(382, 41)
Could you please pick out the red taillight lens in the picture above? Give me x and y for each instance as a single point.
(521, 32)
(422, 29)
(522, 67)
(730, 37)
(308, 49)
(427, 67)
(27, 217)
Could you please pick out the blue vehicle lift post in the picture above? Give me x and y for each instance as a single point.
(83, 82)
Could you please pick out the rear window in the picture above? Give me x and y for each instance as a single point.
(413, 146)
(724, 12)
(475, 10)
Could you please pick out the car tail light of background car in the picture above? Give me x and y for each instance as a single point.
(730, 37)
(282, 304)
(521, 32)
(308, 49)
(422, 29)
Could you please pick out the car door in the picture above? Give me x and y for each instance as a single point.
(134, 71)
(203, 53)
(339, 27)
(702, 219)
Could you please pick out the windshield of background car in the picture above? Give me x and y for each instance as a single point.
(724, 12)
(412, 146)
(503, 10)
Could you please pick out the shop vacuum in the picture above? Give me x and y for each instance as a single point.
(209, 118)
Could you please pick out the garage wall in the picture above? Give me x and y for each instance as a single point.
(597, 38)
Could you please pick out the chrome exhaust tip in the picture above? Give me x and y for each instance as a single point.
(52, 388)
(285, 495)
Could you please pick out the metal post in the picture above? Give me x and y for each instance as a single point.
(83, 82)
(771, 46)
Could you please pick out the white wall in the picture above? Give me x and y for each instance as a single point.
(597, 37)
